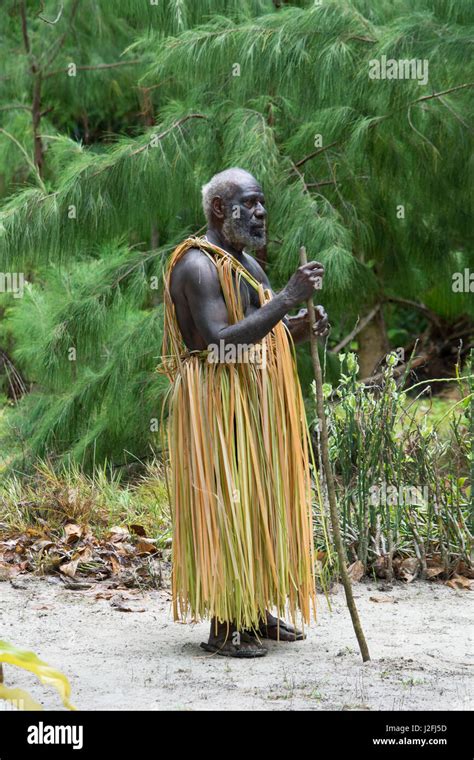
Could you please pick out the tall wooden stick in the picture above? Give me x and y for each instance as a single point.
(346, 581)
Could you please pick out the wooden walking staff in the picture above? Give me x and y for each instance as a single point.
(346, 581)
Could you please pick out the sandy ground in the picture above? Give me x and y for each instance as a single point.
(420, 638)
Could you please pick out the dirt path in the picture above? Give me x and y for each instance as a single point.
(421, 643)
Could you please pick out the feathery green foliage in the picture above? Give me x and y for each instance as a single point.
(108, 177)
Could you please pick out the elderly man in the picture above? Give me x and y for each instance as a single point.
(237, 433)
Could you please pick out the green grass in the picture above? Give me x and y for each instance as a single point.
(50, 499)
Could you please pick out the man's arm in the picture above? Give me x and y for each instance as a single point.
(298, 325)
(257, 271)
(203, 293)
(209, 311)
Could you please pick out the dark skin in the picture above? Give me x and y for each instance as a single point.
(203, 319)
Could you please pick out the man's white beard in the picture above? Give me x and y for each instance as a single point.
(238, 235)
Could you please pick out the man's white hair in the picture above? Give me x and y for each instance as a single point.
(223, 185)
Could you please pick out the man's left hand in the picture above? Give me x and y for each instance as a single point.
(321, 326)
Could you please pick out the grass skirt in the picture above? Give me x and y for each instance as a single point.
(240, 484)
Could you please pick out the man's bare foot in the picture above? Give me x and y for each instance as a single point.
(227, 641)
(277, 630)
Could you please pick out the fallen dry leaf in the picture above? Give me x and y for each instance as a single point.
(10, 544)
(116, 566)
(122, 605)
(356, 571)
(459, 582)
(146, 546)
(382, 599)
(463, 568)
(118, 534)
(9, 555)
(69, 568)
(105, 594)
(84, 554)
(124, 549)
(434, 571)
(380, 567)
(41, 545)
(139, 530)
(434, 559)
(408, 569)
(8, 571)
(34, 531)
(72, 532)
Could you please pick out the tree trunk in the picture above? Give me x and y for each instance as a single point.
(373, 344)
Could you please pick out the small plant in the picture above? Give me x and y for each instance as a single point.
(21, 699)
(402, 484)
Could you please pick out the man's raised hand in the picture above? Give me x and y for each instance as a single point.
(302, 284)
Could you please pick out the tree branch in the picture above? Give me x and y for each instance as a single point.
(24, 28)
(333, 182)
(95, 68)
(421, 100)
(359, 326)
(31, 163)
(301, 176)
(16, 382)
(36, 104)
(397, 371)
(169, 129)
(47, 21)
(415, 305)
(315, 153)
(377, 121)
(13, 106)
